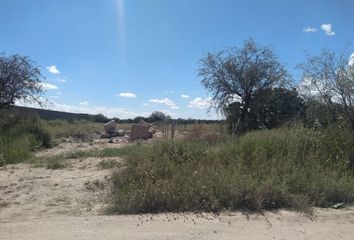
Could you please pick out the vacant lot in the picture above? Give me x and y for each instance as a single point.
(71, 191)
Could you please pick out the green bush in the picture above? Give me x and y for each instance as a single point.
(19, 136)
(55, 163)
(281, 168)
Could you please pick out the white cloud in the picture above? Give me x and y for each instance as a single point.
(47, 86)
(184, 96)
(201, 103)
(309, 30)
(127, 95)
(61, 80)
(351, 59)
(84, 103)
(307, 89)
(165, 101)
(327, 28)
(53, 69)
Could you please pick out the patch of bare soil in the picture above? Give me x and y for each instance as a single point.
(38, 203)
(71, 145)
(79, 189)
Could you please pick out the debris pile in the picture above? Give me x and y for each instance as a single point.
(142, 130)
(111, 131)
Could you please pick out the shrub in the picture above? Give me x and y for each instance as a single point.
(281, 168)
(55, 163)
(19, 136)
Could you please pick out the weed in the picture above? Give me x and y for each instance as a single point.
(292, 168)
(108, 164)
(55, 163)
(19, 136)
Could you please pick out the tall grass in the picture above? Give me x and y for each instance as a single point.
(19, 136)
(283, 168)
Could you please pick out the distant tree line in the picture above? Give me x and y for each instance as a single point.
(158, 116)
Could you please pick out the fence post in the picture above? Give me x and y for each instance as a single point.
(173, 129)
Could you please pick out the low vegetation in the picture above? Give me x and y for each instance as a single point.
(65, 128)
(109, 164)
(292, 168)
(76, 128)
(19, 136)
(59, 161)
(54, 163)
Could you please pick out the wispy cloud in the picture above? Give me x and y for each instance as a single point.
(61, 80)
(84, 103)
(327, 28)
(165, 101)
(200, 103)
(47, 86)
(126, 95)
(53, 69)
(309, 30)
(184, 96)
(57, 96)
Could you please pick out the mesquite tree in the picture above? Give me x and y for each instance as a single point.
(20, 79)
(329, 77)
(237, 74)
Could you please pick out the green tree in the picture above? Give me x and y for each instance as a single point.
(20, 79)
(269, 108)
(239, 74)
(329, 78)
(139, 118)
(100, 118)
(158, 116)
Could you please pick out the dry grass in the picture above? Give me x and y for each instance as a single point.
(284, 168)
(63, 128)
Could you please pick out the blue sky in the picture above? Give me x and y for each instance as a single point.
(126, 58)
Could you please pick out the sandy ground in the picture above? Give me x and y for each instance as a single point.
(94, 144)
(39, 203)
(329, 224)
(80, 189)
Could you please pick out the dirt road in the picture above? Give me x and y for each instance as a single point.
(329, 224)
